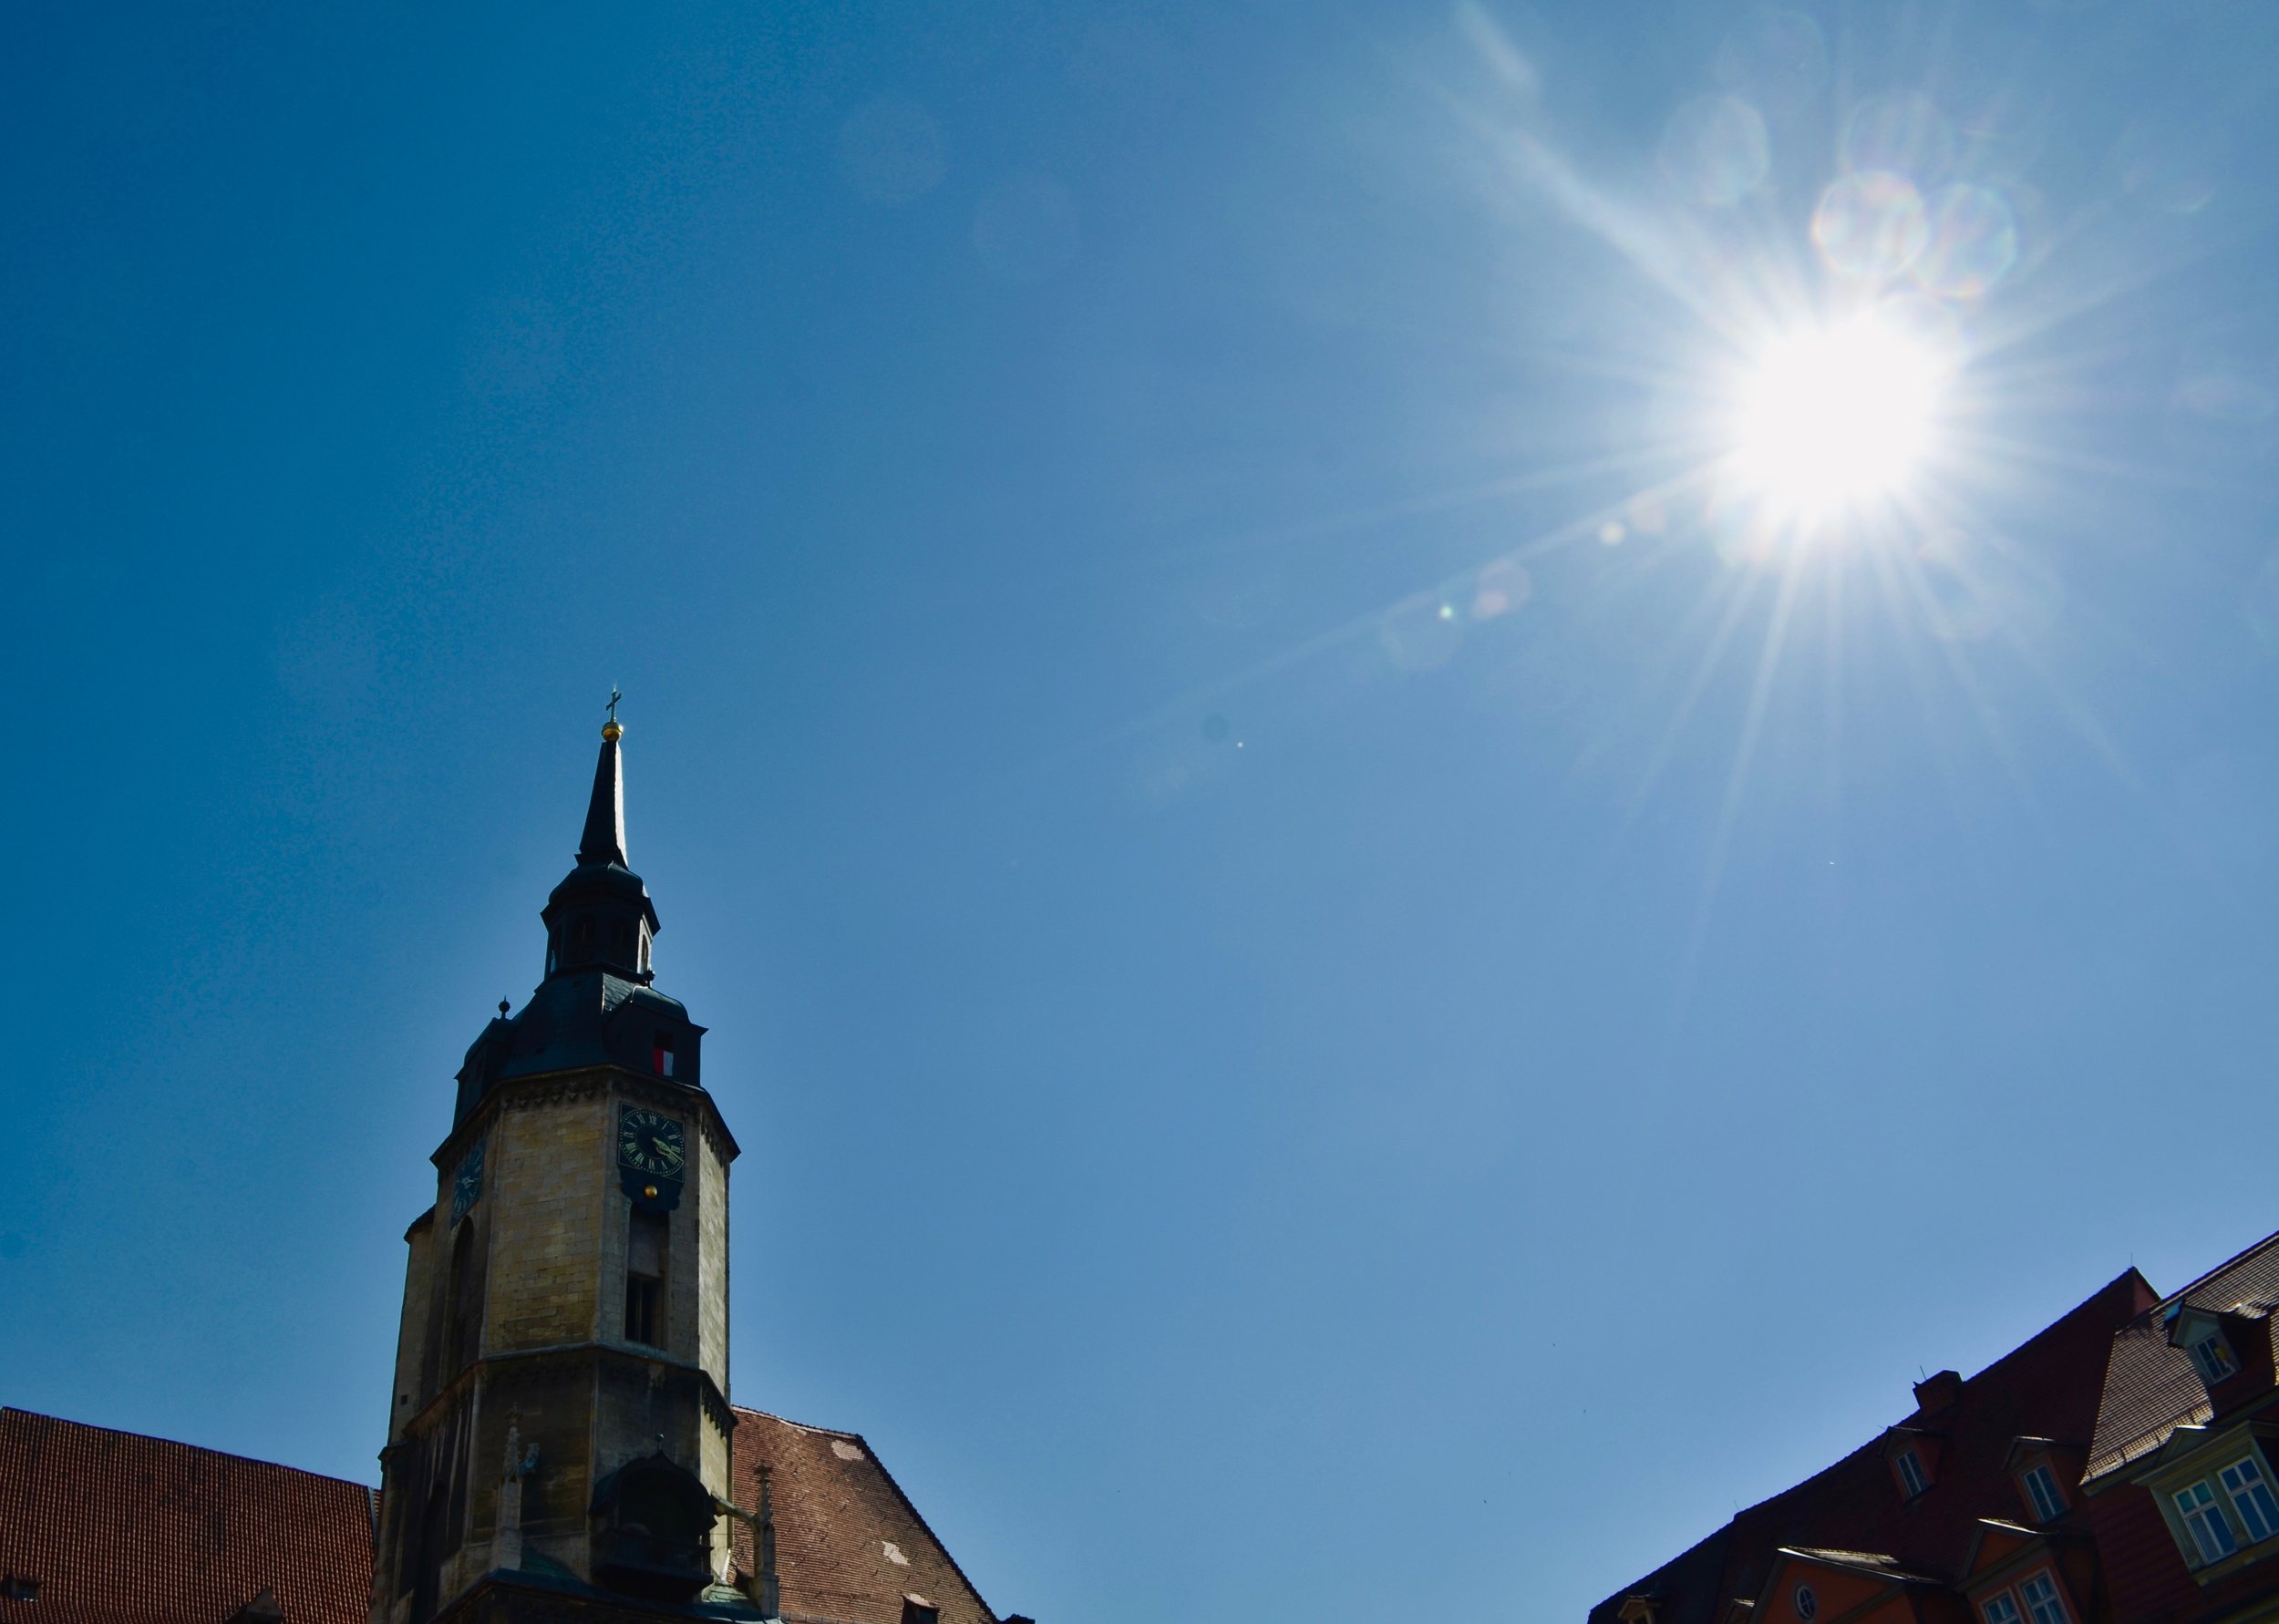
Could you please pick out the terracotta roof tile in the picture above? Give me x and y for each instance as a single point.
(119, 1528)
(848, 1544)
(2151, 1388)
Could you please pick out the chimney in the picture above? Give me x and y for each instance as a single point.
(1935, 1393)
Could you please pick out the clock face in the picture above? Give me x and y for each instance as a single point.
(467, 1187)
(650, 1142)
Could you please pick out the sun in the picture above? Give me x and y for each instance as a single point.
(1835, 416)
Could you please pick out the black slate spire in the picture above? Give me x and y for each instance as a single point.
(605, 838)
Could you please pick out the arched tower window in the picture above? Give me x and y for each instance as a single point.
(582, 939)
(463, 1307)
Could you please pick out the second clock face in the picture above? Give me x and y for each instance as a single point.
(650, 1142)
(467, 1189)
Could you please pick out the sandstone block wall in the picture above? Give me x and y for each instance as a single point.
(550, 1172)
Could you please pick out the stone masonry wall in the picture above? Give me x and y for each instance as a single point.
(550, 1174)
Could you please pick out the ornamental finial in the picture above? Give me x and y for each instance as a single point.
(610, 729)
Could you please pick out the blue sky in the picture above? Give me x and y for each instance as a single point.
(1340, 989)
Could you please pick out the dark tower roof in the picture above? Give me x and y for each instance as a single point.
(595, 1005)
(605, 838)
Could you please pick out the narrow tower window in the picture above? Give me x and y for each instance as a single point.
(464, 1305)
(644, 1280)
(661, 1054)
(582, 940)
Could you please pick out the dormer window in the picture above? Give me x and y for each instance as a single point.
(2244, 1480)
(2042, 1493)
(917, 1609)
(661, 1054)
(2044, 1604)
(2213, 1357)
(2204, 1520)
(1912, 1478)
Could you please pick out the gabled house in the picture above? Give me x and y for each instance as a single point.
(2121, 1468)
(1968, 1509)
(2180, 1481)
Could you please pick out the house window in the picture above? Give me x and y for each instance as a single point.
(917, 1609)
(2043, 1604)
(2252, 1498)
(2041, 1489)
(2203, 1519)
(17, 1587)
(1911, 1472)
(1999, 1609)
(644, 1280)
(2213, 1358)
(1808, 1605)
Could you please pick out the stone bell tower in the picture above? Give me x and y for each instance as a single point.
(559, 1422)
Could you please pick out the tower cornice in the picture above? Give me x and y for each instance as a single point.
(717, 1410)
(580, 1083)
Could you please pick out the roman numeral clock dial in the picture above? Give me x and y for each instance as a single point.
(652, 1158)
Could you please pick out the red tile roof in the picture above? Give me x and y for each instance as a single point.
(848, 1544)
(118, 1528)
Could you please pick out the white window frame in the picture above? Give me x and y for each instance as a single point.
(2000, 1608)
(2050, 1607)
(2212, 1356)
(2042, 1492)
(1911, 1476)
(2201, 1514)
(2252, 1499)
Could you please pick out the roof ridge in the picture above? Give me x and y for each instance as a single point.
(2123, 1278)
(2232, 1261)
(804, 1426)
(120, 1432)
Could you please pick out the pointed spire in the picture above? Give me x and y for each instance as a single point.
(766, 1582)
(604, 838)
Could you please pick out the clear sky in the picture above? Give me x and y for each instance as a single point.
(1350, 980)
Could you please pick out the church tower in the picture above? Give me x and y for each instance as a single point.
(560, 1424)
